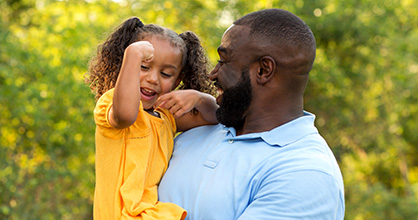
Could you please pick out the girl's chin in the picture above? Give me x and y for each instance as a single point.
(147, 106)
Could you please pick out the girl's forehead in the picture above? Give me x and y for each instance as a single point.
(160, 40)
(165, 53)
(166, 40)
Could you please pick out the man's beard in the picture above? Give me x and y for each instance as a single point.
(235, 101)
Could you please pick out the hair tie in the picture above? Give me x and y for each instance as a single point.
(140, 24)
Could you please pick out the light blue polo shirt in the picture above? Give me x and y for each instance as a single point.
(286, 173)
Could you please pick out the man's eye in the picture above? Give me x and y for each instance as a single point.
(221, 62)
(144, 67)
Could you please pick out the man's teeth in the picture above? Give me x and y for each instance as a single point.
(220, 92)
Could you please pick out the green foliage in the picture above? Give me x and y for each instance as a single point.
(363, 90)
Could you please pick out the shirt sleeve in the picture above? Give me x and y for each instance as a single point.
(169, 118)
(101, 111)
(309, 194)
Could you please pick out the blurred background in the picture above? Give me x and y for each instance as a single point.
(363, 89)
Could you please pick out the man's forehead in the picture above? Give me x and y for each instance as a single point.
(235, 31)
(229, 28)
(234, 37)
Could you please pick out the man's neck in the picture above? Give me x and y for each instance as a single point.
(263, 120)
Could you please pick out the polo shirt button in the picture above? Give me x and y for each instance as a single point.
(230, 141)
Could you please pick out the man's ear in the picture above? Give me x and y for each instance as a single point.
(266, 69)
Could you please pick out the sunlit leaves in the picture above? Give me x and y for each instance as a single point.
(363, 89)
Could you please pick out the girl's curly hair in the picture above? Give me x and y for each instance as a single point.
(105, 66)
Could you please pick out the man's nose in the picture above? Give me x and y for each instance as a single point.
(214, 73)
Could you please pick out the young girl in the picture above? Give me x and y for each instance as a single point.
(134, 140)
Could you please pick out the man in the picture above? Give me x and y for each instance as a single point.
(266, 160)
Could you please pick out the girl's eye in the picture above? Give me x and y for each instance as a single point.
(165, 74)
(144, 67)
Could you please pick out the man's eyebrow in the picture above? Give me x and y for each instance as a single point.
(222, 50)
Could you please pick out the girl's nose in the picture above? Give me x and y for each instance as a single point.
(152, 77)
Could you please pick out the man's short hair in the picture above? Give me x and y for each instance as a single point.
(278, 26)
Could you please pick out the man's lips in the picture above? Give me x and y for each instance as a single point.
(219, 93)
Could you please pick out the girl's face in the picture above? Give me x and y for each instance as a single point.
(159, 76)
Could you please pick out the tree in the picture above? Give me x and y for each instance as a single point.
(362, 88)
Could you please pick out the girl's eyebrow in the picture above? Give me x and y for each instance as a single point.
(170, 66)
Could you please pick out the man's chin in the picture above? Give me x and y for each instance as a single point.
(234, 102)
(229, 119)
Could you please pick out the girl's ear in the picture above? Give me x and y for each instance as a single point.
(266, 69)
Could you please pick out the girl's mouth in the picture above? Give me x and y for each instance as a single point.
(147, 94)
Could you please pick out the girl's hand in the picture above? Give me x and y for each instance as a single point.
(179, 102)
(144, 49)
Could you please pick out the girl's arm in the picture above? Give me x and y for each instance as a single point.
(126, 96)
(181, 102)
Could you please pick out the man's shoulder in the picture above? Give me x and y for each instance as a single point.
(205, 130)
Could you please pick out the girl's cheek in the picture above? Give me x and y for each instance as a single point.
(167, 88)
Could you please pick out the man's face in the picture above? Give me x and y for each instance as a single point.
(232, 77)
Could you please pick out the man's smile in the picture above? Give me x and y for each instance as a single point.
(219, 93)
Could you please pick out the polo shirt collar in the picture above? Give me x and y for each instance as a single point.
(285, 134)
